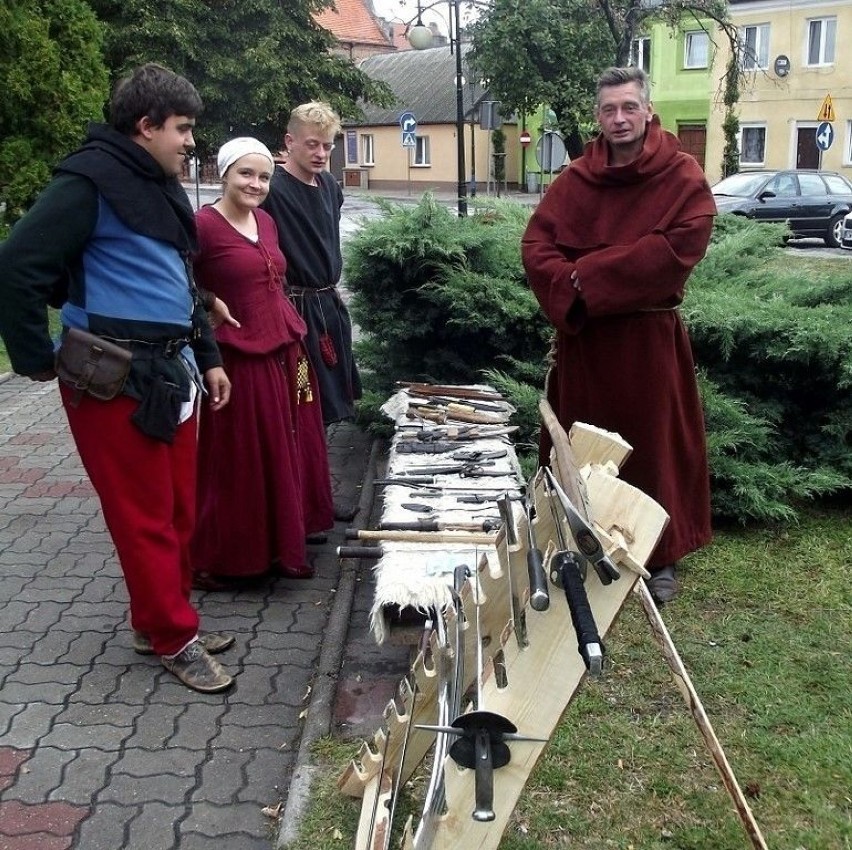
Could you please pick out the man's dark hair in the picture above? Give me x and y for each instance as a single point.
(154, 91)
(620, 76)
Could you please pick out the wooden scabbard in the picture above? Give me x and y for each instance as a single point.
(455, 392)
(456, 413)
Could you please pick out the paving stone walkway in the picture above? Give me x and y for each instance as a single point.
(101, 748)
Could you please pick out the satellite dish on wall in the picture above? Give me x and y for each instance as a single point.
(782, 65)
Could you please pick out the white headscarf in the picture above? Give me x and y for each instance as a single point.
(231, 151)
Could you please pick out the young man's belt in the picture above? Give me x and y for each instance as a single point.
(310, 290)
(143, 350)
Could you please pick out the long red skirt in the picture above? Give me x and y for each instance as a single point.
(263, 475)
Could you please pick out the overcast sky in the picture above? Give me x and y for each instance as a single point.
(406, 10)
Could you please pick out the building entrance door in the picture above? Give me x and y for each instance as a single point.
(693, 140)
(807, 152)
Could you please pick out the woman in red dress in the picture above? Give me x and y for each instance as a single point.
(264, 481)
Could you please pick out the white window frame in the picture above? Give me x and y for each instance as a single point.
(640, 53)
(756, 127)
(847, 148)
(689, 39)
(758, 59)
(422, 152)
(827, 45)
(368, 149)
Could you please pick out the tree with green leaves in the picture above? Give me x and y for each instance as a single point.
(541, 51)
(551, 51)
(53, 81)
(251, 60)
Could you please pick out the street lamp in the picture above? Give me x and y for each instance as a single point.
(420, 38)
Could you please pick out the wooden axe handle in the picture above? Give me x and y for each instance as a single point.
(699, 715)
(569, 474)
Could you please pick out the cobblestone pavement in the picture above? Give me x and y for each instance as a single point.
(102, 749)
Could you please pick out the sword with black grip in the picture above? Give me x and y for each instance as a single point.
(539, 593)
(481, 735)
(567, 570)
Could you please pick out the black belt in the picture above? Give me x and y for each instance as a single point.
(311, 290)
(143, 350)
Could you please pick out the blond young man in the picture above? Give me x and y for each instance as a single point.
(305, 200)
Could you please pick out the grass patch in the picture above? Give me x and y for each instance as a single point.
(762, 625)
(332, 819)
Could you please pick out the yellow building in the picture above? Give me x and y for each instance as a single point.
(794, 61)
(423, 82)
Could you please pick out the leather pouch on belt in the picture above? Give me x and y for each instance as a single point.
(89, 364)
(158, 413)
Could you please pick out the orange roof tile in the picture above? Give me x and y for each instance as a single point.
(351, 23)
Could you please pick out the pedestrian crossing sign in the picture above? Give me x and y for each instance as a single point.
(408, 140)
(826, 111)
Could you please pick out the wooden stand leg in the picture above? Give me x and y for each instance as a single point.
(696, 709)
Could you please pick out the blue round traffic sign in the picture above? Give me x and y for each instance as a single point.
(824, 135)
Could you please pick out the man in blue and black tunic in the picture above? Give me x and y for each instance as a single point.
(109, 243)
(305, 200)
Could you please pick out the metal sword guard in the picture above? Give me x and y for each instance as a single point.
(480, 745)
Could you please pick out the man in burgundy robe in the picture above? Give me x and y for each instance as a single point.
(608, 253)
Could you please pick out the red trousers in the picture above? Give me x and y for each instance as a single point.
(147, 493)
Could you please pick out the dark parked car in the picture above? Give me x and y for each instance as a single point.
(812, 203)
(846, 238)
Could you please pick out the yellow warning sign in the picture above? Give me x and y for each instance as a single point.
(826, 111)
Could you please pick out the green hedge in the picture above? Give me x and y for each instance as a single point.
(444, 299)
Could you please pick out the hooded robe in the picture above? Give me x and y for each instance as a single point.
(633, 234)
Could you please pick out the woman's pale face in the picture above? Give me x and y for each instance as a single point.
(246, 182)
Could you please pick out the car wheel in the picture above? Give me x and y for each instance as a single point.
(835, 231)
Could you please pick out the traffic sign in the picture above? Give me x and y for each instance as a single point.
(408, 122)
(409, 140)
(550, 151)
(824, 136)
(826, 111)
(525, 138)
(489, 115)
